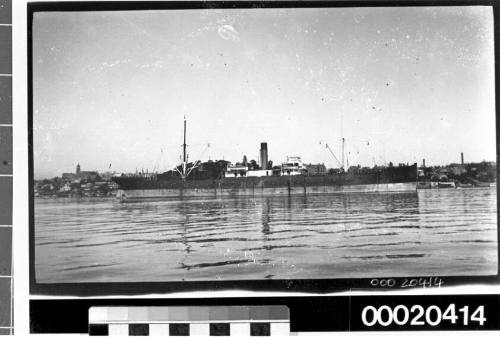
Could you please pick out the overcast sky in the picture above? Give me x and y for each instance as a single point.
(400, 84)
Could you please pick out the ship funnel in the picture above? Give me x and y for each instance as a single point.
(263, 156)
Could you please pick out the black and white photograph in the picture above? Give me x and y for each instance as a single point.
(243, 144)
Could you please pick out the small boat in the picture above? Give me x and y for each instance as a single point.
(446, 184)
(477, 183)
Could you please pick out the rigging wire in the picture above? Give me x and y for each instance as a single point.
(383, 143)
(331, 151)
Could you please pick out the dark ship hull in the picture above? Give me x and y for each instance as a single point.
(389, 179)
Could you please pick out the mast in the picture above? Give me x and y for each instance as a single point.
(343, 153)
(184, 144)
(184, 172)
(343, 139)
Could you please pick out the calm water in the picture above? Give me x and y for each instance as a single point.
(437, 232)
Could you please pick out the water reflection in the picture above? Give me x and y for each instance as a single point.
(343, 235)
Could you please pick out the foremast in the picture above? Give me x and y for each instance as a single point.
(185, 171)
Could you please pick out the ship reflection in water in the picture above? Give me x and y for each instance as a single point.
(434, 232)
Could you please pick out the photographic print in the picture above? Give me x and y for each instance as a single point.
(223, 144)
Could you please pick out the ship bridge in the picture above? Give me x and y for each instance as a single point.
(293, 166)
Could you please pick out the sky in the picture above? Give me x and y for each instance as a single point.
(111, 89)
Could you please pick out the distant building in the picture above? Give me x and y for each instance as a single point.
(65, 188)
(107, 175)
(69, 176)
(81, 175)
(458, 169)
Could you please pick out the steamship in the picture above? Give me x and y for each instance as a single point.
(221, 179)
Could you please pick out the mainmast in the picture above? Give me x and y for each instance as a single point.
(343, 139)
(343, 153)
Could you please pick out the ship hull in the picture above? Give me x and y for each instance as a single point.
(192, 193)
